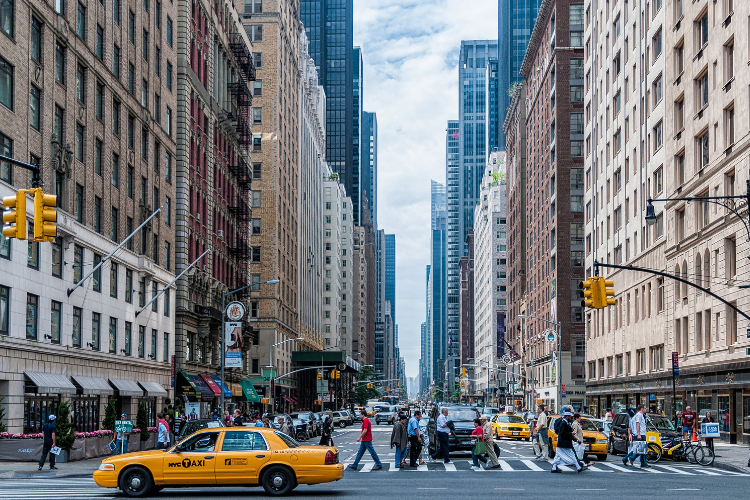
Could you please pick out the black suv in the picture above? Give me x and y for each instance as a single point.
(618, 434)
(462, 418)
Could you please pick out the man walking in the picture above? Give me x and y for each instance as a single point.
(564, 455)
(489, 441)
(365, 443)
(688, 423)
(443, 431)
(638, 433)
(540, 434)
(163, 430)
(49, 430)
(415, 439)
(399, 439)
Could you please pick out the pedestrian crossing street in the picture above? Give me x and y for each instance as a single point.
(530, 465)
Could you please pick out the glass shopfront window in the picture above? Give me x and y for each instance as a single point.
(746, 414)
(704, 403)
(36, 409)
(85, 413)
(618, 405)
(724, 417)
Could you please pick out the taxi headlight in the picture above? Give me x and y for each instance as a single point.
(503, 428)
(106, 466)
(601, 441)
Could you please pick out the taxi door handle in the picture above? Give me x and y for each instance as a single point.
(209, 458)
(260, 456)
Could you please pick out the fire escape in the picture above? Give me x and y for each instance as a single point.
(240, 117)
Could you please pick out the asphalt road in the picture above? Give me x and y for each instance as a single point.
(519, 474)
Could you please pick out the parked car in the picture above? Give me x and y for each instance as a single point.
(489, 412)
(463, 425)
(603, 426)
(658, 429)
(192, 426)
(342, 418)
(386, 415)
(297, 428)
(312, 421)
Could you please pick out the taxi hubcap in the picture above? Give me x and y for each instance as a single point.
(278, 481)
(135, 482)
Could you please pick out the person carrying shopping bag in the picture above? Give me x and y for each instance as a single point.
(480, 447)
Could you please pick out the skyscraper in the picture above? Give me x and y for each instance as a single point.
(356, 144)
(515, 21)
(436, 286)
(390, 272)
(452, 234)
(369, 163)
(329, 26)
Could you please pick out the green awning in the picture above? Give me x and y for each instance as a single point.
(249, 391)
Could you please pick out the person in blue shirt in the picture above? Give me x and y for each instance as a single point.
(415, 439)
(49, 430)
(121, 439)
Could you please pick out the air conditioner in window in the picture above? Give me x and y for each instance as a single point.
(198, 216)
(221, 233)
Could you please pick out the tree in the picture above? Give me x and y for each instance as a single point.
(141, 421)
(363, 393)
(65, 435)
(110, 415)
(3, 428)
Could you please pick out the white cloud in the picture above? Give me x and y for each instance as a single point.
(410, 51)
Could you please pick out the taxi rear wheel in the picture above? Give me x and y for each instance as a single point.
(278, 481)
(136, 482)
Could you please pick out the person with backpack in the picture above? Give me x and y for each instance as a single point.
(564, 455)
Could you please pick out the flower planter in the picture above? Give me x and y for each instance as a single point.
(78, 452)
(20, 450)
(63, 457)
(86, 445)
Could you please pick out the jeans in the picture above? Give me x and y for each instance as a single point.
(444, 447)
(474, 458)
(120, 447)
(366, 445)
(45, 452)
(632, 456)
(416, 449)
(400, 455)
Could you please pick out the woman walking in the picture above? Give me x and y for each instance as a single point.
(325, 437)
(476, 453)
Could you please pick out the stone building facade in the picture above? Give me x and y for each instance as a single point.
(88, 94)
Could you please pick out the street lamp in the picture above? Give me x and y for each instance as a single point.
(558, 326)
(223, 328)
(270, 369)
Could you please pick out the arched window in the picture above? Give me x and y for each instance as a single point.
(684, 277)
(677, 283)
(707, 269)
(698, 270)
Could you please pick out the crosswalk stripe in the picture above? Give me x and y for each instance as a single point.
(422, 468)
(505, 465)
(450, 467)
(596, 469)
(367, 467)
(617, 467)
(531, 465)
(709, 472)
(674, 469)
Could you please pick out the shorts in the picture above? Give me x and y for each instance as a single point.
(686, 429)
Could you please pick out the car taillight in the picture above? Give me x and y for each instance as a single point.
(331, 458)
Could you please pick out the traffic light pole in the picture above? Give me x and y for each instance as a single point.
(35, 170)
(676, 278)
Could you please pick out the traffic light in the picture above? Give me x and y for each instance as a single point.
(589, 292)
(14, 212)
(335, 374)
(45, 215)
(463, 372)
(319, 376)
(265, 401)
(607, 294)
(369, 386)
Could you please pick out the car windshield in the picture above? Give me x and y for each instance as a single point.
(661, 423)
(462, 415)
(510, 419)
(291, 443)
(588, 425)
(304, 416)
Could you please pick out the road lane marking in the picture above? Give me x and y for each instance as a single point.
(709, 472)
(367, 467)
(480, 469)
(591, 489)
(432, 488)
(423, 468)
(531, 465)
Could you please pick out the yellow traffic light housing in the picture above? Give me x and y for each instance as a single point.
(463, 372)
(319, 376)
(265, 401)
(14, 215)
(45, 215)
(607, 296)
(369, 386)
(589, 292)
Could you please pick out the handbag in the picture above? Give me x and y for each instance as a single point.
(480, 448)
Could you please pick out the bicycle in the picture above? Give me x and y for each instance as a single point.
(693, 452)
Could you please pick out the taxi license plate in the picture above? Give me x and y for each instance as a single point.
(516, 433)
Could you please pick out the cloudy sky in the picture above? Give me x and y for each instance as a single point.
(410, 51)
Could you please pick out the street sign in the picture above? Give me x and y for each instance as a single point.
(456, 379)
(551, 337)
(675, 359)
(564, 393)
(123, 426)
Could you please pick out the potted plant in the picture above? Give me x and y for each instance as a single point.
(141, 421)
(66, 432)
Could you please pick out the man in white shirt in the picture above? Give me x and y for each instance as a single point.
(443, 431)
(637, 433)
(540, 434)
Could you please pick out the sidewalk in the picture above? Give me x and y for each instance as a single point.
(732, 457)
(79, 468)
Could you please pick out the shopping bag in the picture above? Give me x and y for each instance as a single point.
(480, 448)
(640, 447)
(55, 450)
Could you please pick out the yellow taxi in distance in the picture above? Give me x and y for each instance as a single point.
(596, 442)
(227, 456)
(510, 425)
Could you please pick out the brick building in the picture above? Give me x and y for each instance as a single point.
(553, 71)
(88, 93)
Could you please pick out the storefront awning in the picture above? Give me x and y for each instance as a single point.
(184, 386)
(206, 393)
(92, 385)
(236, 389)
(227, 392)
(288, 400)
(153, 389)
(249, 391)
(126, 387)
(211, 385)
(51, 383)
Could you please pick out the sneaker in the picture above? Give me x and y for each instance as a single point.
(447, 462)
(52, 467)
(556, 471)
(475, 467)
(377, 467)
(40, 467)
(625, 463)
(351, 467)
(583, 469)
(495, 466)
(541, 459)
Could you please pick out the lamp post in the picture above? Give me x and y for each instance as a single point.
(270, 370)
(223, 327)
(558, 326)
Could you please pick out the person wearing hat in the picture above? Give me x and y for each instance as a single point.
(121, 439)
(49, 430)
(564, 455)
(488, 439)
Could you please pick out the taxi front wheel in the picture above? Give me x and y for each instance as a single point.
(278, 481)
(136, 482)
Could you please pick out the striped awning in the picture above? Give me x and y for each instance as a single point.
(51, 383)
(92, 385)
(126, 387)
(153, 389)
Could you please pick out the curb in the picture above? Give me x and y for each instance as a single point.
(730, 467)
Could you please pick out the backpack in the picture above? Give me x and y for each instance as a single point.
(558, 425)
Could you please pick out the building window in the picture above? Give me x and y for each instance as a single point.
(142, 341)
(55, 322)
(116, 61)
(255, 32)
(144, 43)
(729, 126)
(658, 134)
(131, 26)
(257, 115)
(99, 103)
(168, 122)
(702, 150)
(99, 42)
(81, 21)
(112, 335)
(701, 87)
(165, 347)
(128, 338)
(77, 326)
(60, 62)
(657, 358)
(36, 39)
(729, 61)
(153, 343)
(576, 25)
(680, 224)
(113, 279)
(33, 257)
(96, 329)
(167, 304)
(6, 83)
(128, 286)
(258, 60)
(701, 31)
(116, 117)
(131, 79)
(98, 214)
(4, 310)
(169, 76)
(32, 316)
(80, 149)
(77, 263)
(35, 104)
(97, 276)
(154, 293)
(656, 45)
(57, 258)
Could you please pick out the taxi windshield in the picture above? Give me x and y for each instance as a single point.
(510, 419)
(588, 425)
(661, 423)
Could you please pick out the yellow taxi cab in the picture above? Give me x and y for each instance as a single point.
(596, 442)
(227, 456)
(510, 425)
